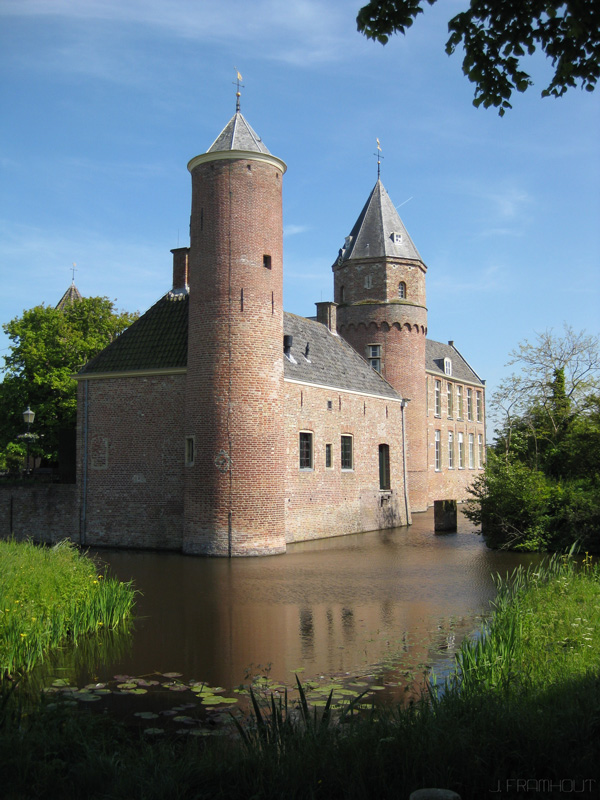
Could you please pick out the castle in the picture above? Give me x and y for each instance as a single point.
(218, 424)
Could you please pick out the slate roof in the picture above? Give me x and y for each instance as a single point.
(435, 352)
(373, 233)
(157, 340)
(331, 360)
(69, 297)
(238, 135)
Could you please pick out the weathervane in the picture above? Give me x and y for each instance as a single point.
(73, 270)
(239, 84)
(379, 157)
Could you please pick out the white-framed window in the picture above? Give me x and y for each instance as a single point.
(368, 281)
(328, 456)
(347, 452)
(479, 406)
(374, 356)
(397, 237)
(480, 448)
(471, 451)
(470, 405)
(438, 451)
(461, 451)
(459, 401)
(438, 398)
(402, 290)
(450, 399)
(450, 450)
(190, 450)
(305, 448)
(447, 366)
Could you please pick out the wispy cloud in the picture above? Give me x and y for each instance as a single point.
(293, 230)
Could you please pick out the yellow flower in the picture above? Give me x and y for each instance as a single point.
(23, 635)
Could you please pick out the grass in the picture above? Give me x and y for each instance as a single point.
(523, 705)
(49, 596)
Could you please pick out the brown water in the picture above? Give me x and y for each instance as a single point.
(339, 606)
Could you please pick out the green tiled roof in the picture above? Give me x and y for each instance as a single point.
(157, 340)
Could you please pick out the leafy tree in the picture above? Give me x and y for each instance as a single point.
(49, 345)
(497, 34)
(541, 485)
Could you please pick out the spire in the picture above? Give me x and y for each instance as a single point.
(72, 295)
(238, 135)
(379, 232)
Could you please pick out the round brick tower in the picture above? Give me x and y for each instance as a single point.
(379, 284)
(234, 474)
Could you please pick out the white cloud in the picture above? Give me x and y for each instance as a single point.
(292, 230)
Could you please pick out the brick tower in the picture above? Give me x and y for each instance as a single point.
(234, 474)
(379, 285)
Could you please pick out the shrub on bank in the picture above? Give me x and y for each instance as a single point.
(49, 596)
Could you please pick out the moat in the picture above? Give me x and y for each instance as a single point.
(332, 607)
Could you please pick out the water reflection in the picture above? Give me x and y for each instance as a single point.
(333, 606)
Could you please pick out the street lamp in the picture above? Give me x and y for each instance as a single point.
(28, 417)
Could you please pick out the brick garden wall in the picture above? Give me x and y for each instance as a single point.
(42, 512)
(323, 502)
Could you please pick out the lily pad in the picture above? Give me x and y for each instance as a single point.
(185, 719)
(153, 731)
(172, 674)
(145, 714)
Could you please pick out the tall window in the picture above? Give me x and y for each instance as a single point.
(438, 451)
(306, 450)
(438, 398)
(448, 366)
(470, 405)
(461, 451)
(471, 451)
(459, 399)
(328, 456)
(480, 448)
(347, 455)
(450, 450)
(450, 395)
(368, 281)
(479, 406)
(374, 356)
(402, 290)
(384, 466)
(189, 451)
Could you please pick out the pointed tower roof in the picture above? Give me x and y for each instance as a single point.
(69, 297)
(238, 135)
(379, 231)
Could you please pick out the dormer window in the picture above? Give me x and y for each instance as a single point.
(347, 242)
(447, 366)
(402, 290)
(397, 238)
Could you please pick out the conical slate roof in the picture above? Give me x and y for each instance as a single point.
(238, 135)
(69, 297)
(379, 231)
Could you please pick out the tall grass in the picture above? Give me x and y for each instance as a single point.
(49, 596)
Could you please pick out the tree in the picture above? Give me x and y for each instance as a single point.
(497, 34)
(48, 346)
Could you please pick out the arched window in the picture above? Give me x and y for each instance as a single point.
(401, 290)
(341, 294)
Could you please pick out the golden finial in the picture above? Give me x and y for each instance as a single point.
(379, 157)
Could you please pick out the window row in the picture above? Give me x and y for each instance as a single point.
(459, 461)
(474, 411)
(306, 456)
(306, 452)
(368, 284)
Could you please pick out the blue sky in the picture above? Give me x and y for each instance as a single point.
(105, 102)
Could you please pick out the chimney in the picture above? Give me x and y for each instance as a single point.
(327, 315)
(180, 268)
(451, 342)
(287, 344)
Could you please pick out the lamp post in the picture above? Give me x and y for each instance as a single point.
(28, 417)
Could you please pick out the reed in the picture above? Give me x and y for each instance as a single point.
(49, 596)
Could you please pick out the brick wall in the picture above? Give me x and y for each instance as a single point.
(42, 512)
(131, 494)
(322, 502)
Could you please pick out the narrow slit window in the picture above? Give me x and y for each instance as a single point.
(328, 456)
(267, 262)
(384, 467)
(189, 451)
